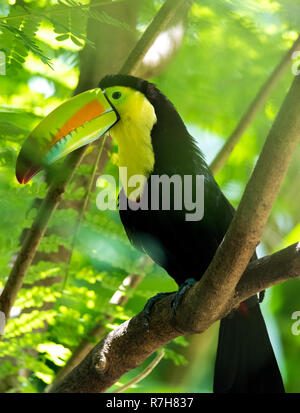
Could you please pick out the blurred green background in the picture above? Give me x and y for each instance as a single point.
(210, 63)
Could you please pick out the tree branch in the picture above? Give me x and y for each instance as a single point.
(36, 233)
(131, 343)
(217, 286)
(254, 108)
(143, 374)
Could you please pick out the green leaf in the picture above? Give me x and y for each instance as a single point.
(76, 41)
(62, 37)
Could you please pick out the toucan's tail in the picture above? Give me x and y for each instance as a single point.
(245, 360)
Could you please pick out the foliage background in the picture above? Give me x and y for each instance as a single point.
(228, 50)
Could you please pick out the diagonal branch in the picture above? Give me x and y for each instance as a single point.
(254, 108)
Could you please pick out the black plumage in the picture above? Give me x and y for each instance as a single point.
(165, 235)
(185, 248)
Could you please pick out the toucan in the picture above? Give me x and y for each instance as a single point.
(153, 141)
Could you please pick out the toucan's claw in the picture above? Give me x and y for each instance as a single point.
(147, 309)
(181, 291)
(175, 302)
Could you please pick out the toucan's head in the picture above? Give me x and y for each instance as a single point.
(122, 105)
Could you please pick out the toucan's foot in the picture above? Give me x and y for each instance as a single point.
(147, 309)
(179, 294)
(175, 302)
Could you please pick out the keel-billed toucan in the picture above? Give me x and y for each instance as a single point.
(153, 140)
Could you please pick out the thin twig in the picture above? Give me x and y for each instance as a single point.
(84, 207)
(254, 108)
(143, 374)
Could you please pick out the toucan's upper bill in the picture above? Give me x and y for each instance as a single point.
(75, 123)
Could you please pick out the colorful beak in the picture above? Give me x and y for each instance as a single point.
(77, 122)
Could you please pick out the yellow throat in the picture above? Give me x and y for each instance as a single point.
(133, 136)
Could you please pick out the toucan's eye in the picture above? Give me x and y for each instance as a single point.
(116, 95)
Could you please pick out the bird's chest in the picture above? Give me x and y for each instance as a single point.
(135, 155)
(178, 245)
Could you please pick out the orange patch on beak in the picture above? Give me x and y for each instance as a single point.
(88, 112)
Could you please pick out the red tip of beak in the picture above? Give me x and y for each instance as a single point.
(25, 170)
(24, 178)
